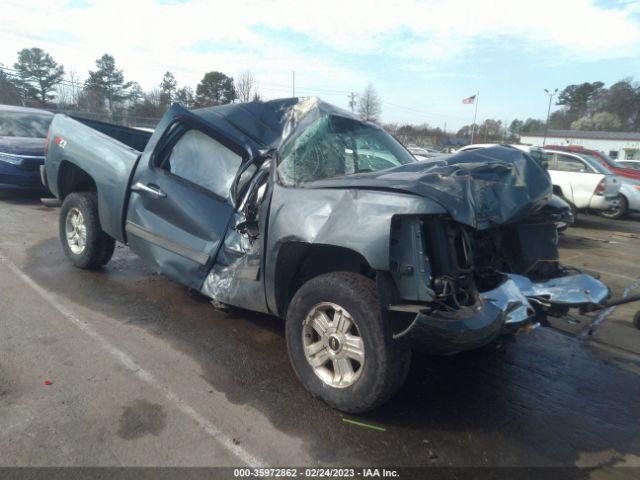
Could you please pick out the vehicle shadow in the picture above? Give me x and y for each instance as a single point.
(629, 224)
(543, 400)
(573, 240)
(23, 198)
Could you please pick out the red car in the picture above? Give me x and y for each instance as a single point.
(603, 158)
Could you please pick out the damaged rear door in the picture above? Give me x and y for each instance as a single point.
(181, 200)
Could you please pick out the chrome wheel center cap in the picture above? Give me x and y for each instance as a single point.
(334, 343)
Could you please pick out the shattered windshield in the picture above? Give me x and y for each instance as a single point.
(335, 146)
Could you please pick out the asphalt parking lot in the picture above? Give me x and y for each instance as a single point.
(143, 373)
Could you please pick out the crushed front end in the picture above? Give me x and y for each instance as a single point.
(454, 287)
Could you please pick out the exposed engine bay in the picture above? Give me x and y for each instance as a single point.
(449, 271)
(455, 262)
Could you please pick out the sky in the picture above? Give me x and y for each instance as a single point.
(422, 57)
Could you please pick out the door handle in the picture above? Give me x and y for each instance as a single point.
(151, 190)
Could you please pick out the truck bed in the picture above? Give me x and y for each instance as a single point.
(71, 145)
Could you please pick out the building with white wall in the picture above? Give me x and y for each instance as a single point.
(618, 145)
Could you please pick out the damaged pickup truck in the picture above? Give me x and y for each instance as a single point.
(298, 209)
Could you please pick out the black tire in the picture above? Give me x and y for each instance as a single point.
(619, 212)
(385, 367)
(99, 246)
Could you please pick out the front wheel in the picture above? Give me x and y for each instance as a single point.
(337, 345)
(83, 241)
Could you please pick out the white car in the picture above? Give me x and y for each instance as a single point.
(525, 148)
(536, 152)
(476, 146)
(583, 182)
(423, 153)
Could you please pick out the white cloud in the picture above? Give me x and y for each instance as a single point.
(421, 37)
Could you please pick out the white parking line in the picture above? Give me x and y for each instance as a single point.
(134, 368)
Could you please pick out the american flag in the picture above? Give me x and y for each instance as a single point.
(470, 100)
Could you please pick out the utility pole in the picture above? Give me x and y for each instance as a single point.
(294, 83)
(352, 101)
(546, 127)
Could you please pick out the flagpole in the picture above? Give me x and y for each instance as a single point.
(475, 113)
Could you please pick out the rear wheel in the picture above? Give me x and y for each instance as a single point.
(83, 241)
(617, 212)
(337, 345)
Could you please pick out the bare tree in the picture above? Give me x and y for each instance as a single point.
(68, 90)
(75, 85)
(369, 105)
(245, 86)
(63, 95)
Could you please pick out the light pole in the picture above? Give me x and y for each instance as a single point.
(546, 127)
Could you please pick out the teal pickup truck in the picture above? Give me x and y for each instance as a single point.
(298, 209)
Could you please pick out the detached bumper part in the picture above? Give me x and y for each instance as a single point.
(569, 291)
(509, 305)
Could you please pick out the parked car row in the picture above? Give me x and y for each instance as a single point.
(586, 179)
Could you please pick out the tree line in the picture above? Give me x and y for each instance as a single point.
(585, 106)
(37, 80)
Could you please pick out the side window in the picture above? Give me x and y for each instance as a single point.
(548, 160)
(201, 160)
(570, 164)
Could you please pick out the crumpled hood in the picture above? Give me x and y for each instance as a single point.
(480, 188)
(33, 147)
